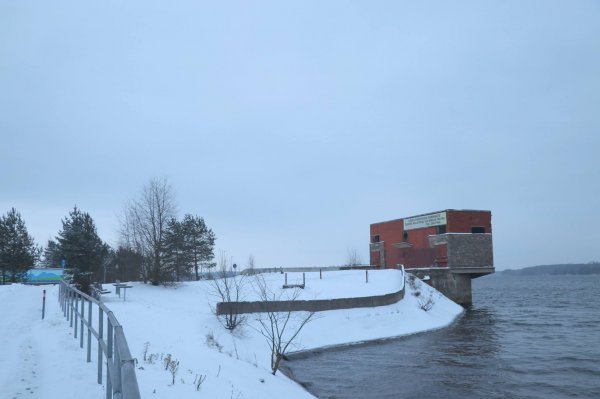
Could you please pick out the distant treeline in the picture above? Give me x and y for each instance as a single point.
(572, 268)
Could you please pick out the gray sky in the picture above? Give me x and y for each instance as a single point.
(291, 126)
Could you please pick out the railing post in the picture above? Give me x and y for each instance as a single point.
(89, 337)
(64, 300)
(76, 310)
(44, 305)
(81, 325)
(109, 356)
(118, 389)
(71, 308)
(100, 336)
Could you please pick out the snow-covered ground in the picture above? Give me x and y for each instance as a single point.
(178, 321)
(40, 358)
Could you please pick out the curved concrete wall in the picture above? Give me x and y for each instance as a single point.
(309, 306)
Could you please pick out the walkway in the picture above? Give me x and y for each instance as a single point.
(40, 359)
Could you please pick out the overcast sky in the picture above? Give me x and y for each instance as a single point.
(291, 126)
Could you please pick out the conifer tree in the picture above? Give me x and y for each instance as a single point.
(128, 264)
(177, 254)
(199, 242)
(79, 244)
(52, 256)
(18, 251)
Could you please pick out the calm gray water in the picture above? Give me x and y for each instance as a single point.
(524, 337)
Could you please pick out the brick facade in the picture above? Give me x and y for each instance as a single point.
(450, 238)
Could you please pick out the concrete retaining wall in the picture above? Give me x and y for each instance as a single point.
(457, 287)
(310, 306)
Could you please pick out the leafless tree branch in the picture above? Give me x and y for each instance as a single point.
(280, 329)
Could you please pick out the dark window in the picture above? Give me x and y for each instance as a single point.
(376, 238)
(405, 235)
(441, 229)
(477, 230)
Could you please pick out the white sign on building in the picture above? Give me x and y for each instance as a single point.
(430, 220)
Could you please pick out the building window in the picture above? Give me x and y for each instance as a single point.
(441, 229)
(376, 238)
(405, 235)
(477, 230)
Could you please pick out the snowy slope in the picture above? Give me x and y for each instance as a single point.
(178, 320)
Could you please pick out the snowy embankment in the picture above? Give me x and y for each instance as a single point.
(178, 321)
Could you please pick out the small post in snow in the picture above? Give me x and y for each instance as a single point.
(320, 274)
(43, 304)
(286, 279)
(367, 275)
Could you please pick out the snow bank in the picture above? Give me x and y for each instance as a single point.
(178, 321)
(335, 284)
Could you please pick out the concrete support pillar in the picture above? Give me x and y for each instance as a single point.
(455, 286)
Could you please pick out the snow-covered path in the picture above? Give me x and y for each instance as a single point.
(40, 359)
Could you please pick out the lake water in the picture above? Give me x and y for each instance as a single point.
(524, 337)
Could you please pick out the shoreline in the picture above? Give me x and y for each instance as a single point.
(286, 367)
(286, 370)
(301, 354)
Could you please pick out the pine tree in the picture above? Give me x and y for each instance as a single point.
(18, 251)
(52, 255)
(177, 255)
(128, 264)
(199, 242)
(79, 244)
(189, 244)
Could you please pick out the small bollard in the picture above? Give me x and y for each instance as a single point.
(320, 274)
(43, 304)
(367, 276)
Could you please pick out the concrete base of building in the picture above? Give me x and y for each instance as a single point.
(454, 285)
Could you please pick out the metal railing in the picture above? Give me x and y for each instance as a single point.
(121, 381)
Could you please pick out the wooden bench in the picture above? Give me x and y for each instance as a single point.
(98, 291)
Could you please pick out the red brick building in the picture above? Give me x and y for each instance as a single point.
(450, 248)
(457, 239)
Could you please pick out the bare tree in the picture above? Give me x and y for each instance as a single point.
(144, 226)
(353, 258)
(226, 286)
(279, 329)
